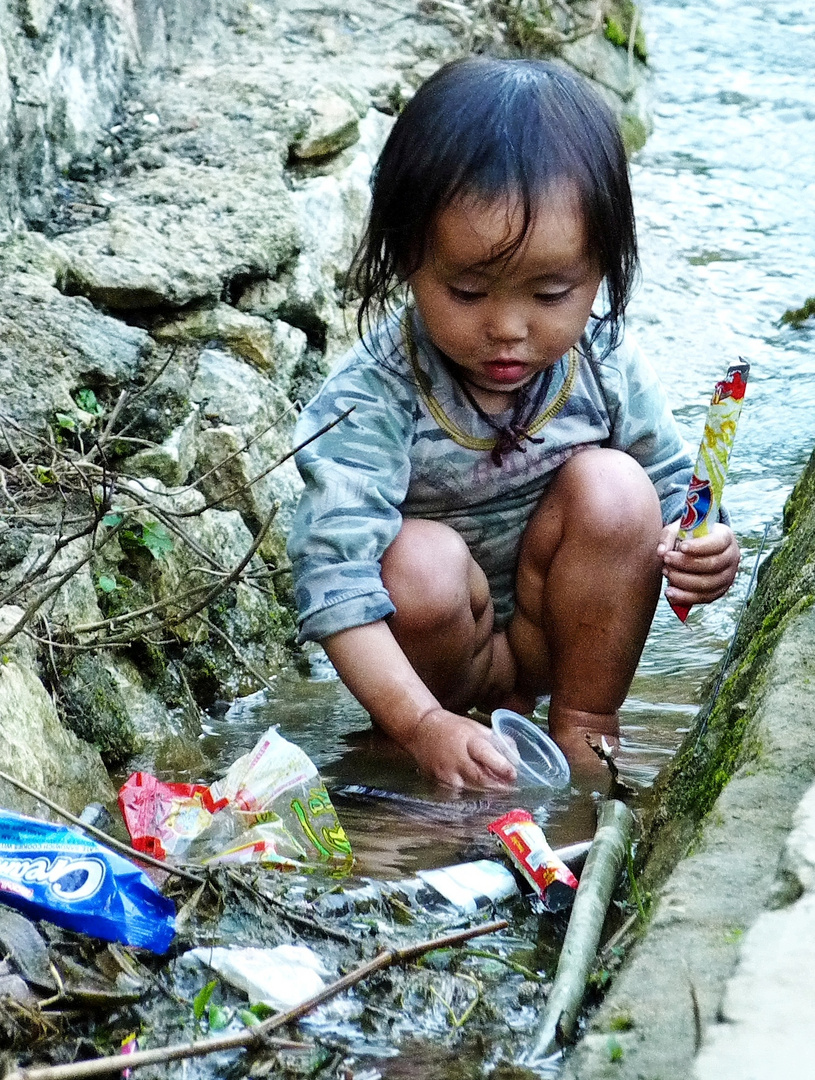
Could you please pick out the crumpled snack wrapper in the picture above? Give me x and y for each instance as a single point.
(271, 807)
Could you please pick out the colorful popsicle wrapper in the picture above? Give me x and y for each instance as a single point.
(704, 496)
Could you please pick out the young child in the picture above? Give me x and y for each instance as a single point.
(492, 521)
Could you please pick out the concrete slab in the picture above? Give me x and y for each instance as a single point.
(766, 1025)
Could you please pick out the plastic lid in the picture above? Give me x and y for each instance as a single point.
(538, 760)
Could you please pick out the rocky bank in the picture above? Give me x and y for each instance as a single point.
(721, 984)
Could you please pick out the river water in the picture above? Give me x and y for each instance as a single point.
(725, 197)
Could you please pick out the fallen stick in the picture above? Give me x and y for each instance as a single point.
(597, 883)
(255, 1036)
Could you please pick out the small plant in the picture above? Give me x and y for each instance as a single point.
(621, 1022)
(106, 583)
(632, 880)
(151, 535)
(615, 1051)
(200, 1003)
(798, 316)
(88, 402)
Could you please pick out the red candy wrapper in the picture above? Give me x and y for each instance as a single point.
(529, 850)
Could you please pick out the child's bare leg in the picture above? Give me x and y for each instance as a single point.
(444, 615)
(587, 585)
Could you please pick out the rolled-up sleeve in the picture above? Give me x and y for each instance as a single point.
(356, 476)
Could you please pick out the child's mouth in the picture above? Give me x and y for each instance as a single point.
(506, 371)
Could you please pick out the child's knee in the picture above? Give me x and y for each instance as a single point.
(606, 493)
(427, 572)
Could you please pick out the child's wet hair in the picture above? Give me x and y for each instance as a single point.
(488, 129)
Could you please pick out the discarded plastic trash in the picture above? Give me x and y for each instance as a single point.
(281, 977)
(522, 838)
(465, 888)
(270, 807)
(52, 872)
(470, 886)
(538, 760)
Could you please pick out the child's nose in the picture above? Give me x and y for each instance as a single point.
(505, 323)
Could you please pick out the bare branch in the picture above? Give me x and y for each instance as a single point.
(38, 601)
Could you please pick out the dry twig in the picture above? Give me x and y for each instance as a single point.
(255, 1036)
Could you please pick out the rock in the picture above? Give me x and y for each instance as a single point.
(242, 623)
(799, 854)
(172, 461)
(264, 297)
(37, 749)
(331, 211)
(333, 124)
(768, 1012)
(621, 82)
(241, 405)
(187, 231)
(272, 347)
(95, 708)
(68, 73)
(167, 739)
(52, 346)
(37, 15)
(75, 603)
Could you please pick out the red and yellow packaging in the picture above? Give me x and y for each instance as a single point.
(529, 850)
(704, 496)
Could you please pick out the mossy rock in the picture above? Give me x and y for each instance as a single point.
(621, 16)
(704, 764)
(798, 316)
(93, 708)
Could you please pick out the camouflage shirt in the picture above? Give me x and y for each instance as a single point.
(415, 447)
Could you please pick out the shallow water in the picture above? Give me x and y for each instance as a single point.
(725, 196)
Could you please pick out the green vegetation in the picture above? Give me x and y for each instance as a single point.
(621, 1022)
(93, 707)
(621, 19)
(798, 316)
(615, 1051)
(702, 767)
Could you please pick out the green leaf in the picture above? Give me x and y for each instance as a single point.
(219, 1017)
(261, 1010)
(107, 583)
(112, 519)
(249, 1018)
(45, 475)
(88, 402)
(201, 999)
(615, 1050)
(156, 539)
(65, 421)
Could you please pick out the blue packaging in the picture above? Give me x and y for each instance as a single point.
(53, 872)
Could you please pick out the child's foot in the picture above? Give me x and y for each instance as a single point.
(574, 730)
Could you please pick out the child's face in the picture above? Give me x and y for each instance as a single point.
(505, 322)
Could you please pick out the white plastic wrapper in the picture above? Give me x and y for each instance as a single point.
(280, 978)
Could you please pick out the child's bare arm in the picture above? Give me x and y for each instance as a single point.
(702, 568)
(456, 750)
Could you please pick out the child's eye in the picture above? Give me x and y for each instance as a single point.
(552, 297)
(467, 296)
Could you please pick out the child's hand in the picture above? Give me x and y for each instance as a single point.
(458, 752)
(702, 568)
